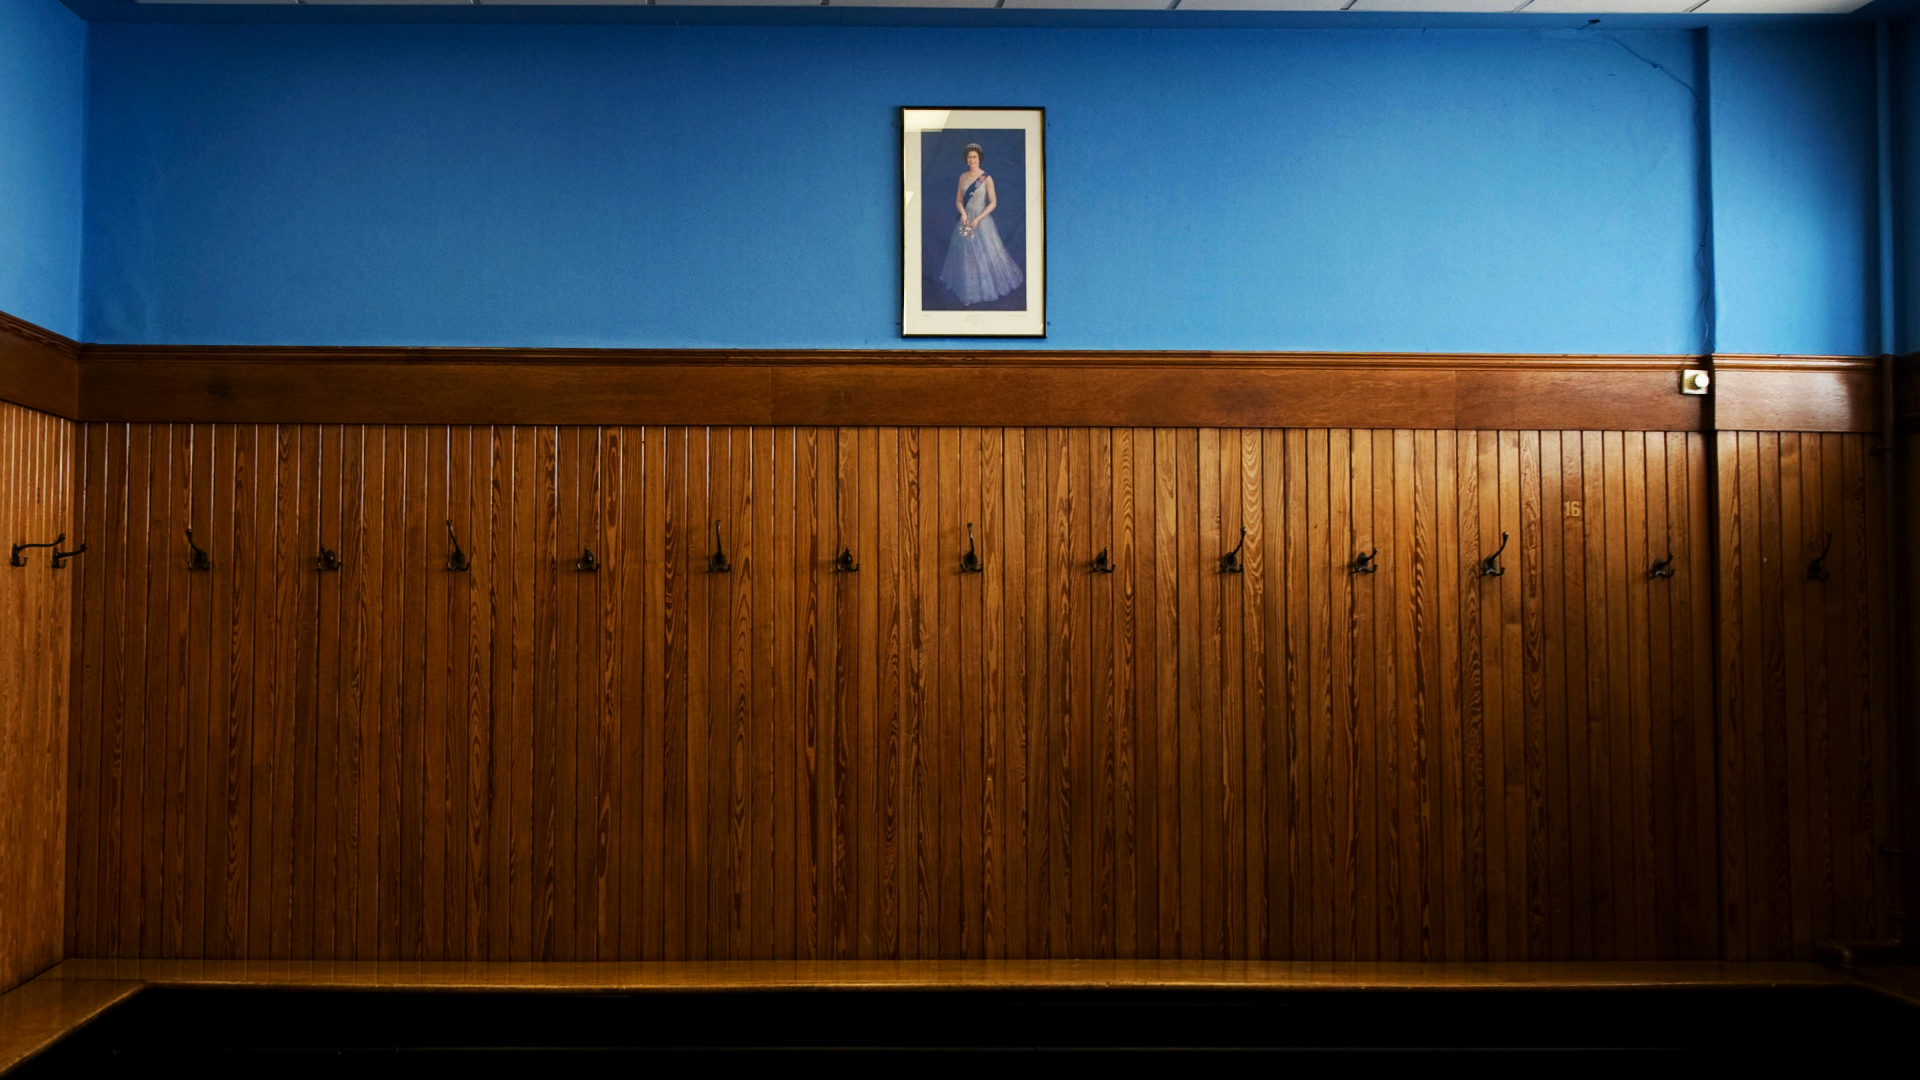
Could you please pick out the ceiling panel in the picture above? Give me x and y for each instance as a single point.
(1262, 5)
(1780, 7)
(1610, 7)
(1435, 5)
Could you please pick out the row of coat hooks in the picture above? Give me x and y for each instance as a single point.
(1365, 562)
(60, 558)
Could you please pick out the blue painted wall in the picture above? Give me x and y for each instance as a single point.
(1794, 190)
(1906, 202)
(43, 54)
(1507, 190)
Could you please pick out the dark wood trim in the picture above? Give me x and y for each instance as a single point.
(353, 385)
(38, 368)
(1796, 393)
(46, 371)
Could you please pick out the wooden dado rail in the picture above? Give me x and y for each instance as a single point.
(178, 384)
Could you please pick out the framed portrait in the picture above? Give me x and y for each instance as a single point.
(974, 223)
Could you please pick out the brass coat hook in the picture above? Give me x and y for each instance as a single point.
(456, 562)
(970, 562)
(329, 560)
(1490, 566)
(60, 557)
(1364, 563)
(197, 559)
(717, 562)
(16, 560)
(1662, 568)
(1230, 562)
(845, 564)
(1102, 564)
(586, 563)
(1817, 569)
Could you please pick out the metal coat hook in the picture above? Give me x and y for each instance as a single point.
(329, 560)
(1230, 562)
(1662, 568)
(1817, 569)
(1364, 563)
(456, 562)
(845, 564)
(1490, 566)
(1102, 564)
(717, 562)
(586, 563)
(18, 548)
(60, 557)
(197, 559)
(970, 562)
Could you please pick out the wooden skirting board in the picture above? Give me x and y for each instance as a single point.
(1449, 391)
(982, 975)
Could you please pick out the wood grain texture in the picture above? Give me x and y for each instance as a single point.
(39, 369)
(614, 386)
(1118, 974)
(780, 761)
(1805, 711)
(37, 455)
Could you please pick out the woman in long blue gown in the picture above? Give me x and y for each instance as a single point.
(978, 268)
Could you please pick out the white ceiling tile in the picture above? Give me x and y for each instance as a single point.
(1262, 5)
(1609, 7)
(1435, 5)
(1780, 7)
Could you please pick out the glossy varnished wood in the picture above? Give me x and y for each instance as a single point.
(42, 1012)
(466, 386)
(36, 608)
(985, 975)
(655, 761)
(39, 369)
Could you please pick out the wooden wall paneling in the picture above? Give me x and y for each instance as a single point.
(1278, 759)
(1102, 735)
(1526, 546)
(885, 767)
(970, 725)
(759, 564)
(703, 593)
(86, 791)
(37, 687)
(1042, 931)
(1665, 793)
(1225, 627)
(1162, 487)
(1801, 815)
(1016, 897)
(739, 850)
(523, 567)
(654, 761)
(1254, 704)
(995, 662)
(1369, 742)
(850, 594)
(675, 608)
